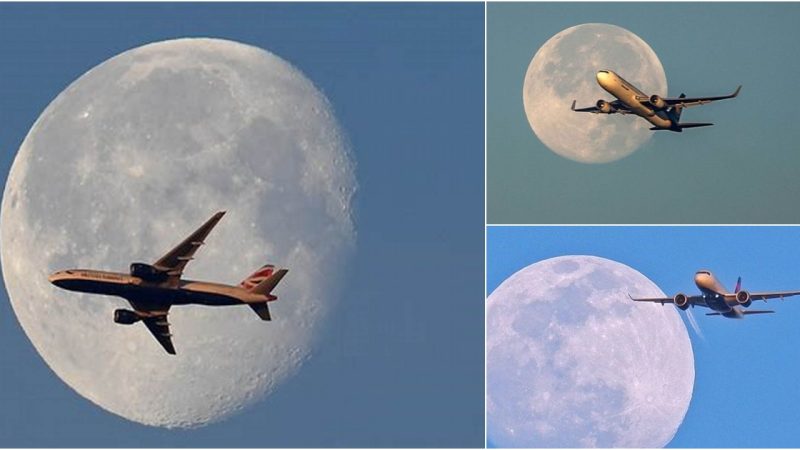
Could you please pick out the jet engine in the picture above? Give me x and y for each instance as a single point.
(681, 301)
(126, 316)
(147, 272)
(605, 107)
(744, 299)
(658, 102)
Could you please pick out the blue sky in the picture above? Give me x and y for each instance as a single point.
(744, 167)
(746, 371)
(404, 365)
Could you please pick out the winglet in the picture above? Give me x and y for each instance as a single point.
(736, 92)
(573, 105)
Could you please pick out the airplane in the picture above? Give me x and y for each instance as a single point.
(715, 297)
(152, 289)
(663, 113)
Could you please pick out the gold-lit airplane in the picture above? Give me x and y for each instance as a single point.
(715, 297)
(153, 289)
(663, 113)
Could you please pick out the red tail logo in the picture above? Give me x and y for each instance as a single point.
(257, 277)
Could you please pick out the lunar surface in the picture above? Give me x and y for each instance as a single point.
(572, 362)
(122, 166)
(564, 70)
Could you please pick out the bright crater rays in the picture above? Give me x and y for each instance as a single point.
(127, 161)
(572, 362)
(564, 69)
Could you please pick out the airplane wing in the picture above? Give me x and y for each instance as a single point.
(156, 321)
(176, 259)
(765, 295)
(695, 101)
(618, 108)
(693, 299)
(159, 327)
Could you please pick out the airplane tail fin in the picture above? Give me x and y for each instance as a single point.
(257, 277)
(675, 112)
(262, 282)
(266, 286)
(738, 286)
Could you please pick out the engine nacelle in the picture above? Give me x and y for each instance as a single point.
(605, 107)
(658, 102)
(681, 301)
(126, 316)
(744, 299)
(147, 272)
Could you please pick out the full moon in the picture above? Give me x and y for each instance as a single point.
(572, 362)
(564, 70)
(123, 165)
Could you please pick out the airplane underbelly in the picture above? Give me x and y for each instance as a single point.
(717, 303)
(641, 110)
(93, 286)
(188, 297)
(173, 296)
(658, 121)
(649, 115)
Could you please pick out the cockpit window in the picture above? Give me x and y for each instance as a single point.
(68, 272)
(704, 272)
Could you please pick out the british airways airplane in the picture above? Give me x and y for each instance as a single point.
(663, 113)
(715, 297)
(152, 289)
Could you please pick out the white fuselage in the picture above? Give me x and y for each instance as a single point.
(632, 98)
(714, 295)
(132, 288)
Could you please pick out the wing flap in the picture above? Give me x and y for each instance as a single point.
(692, 300)
(661, 300)
(619, 108)
(159, 328)
(155, 318)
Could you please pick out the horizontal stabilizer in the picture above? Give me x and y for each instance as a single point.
(681, 126)
(694, 125)
(261, 309)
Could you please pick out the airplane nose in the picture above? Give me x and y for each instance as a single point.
(602, 76)
(698, 278)
(54, 278)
